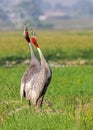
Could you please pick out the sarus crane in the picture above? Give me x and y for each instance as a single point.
(31, 70)
(37, 77)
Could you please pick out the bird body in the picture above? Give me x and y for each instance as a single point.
(37, 86)
(31, 70)
(43, 77)
(37, 77)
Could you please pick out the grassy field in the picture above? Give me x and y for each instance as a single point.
(56, 45)
(71, 88)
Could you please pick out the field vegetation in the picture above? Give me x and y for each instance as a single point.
(70, 55)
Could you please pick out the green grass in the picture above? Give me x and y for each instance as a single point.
(56, 45)
(70, 92)
(71, 88)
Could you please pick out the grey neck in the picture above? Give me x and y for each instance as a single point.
(43, 60)
(32, 51)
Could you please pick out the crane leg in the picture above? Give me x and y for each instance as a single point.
(29, 103)
(40, 101)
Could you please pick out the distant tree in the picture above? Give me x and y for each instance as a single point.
(84, 7)
(3, 15)
(58, 6)
(30, 10)
(45, 6)
(36, 8)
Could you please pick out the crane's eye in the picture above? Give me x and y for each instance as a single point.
(33, 39)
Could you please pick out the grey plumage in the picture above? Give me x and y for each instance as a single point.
(42, 78)
(36, 79)
(31, 70)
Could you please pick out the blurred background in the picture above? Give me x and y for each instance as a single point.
(56, 14)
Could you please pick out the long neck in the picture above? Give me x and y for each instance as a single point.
(42, 58)
(32, 51)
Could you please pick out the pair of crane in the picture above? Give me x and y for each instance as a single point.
(38, 75)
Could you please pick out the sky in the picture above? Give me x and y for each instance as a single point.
(64, 2)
